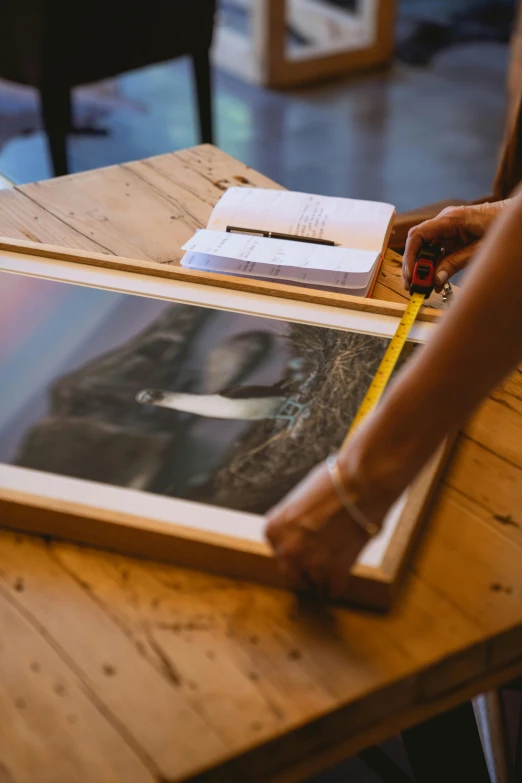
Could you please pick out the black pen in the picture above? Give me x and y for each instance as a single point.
(276, 235)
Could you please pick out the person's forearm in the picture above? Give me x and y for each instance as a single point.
(478, 343)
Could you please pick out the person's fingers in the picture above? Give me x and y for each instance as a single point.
(273, 528)
(293, 577)
(450, 224)
(339, 577)
(289, 552)
(345, 558)
(315, 566)
(454, 227)
(313, 499)
(454, 262)
(308, 530)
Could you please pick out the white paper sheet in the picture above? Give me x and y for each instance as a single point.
(360, 225)
(278, 258)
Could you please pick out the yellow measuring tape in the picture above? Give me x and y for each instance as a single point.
(388, 362)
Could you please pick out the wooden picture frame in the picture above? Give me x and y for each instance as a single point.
(264, 57)
(112, 517)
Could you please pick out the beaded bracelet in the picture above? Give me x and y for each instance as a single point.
(370, 528)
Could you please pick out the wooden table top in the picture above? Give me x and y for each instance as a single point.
(118, 669)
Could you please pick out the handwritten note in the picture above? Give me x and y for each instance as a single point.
(358, 228)
(273, 258)
(360, 225)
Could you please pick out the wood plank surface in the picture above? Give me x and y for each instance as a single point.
(51, 726)
(178, 675)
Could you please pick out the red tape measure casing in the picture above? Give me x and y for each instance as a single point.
(423, 278)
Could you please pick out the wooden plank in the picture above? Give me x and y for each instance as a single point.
(222, 169)
(268, 633)
(344, 670)
(494, 485)
(51, 724)
(316, 750)
(194, 620)
(481, 568)
(209, 635)
(194, 614)
(21, 218)
(139, 696)
(248, 285)
(211, 551)
(497, 426)
(126, 214)
(192, 606)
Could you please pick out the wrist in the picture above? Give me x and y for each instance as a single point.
(491, 209)
(376, 474)
(367, 479)
(368, 526)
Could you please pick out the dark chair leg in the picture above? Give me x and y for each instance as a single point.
(518, 752)
(203, 79)
(494, 736)
(55, 99)
(447, 749)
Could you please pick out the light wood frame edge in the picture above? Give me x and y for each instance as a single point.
(195, 549)
(245, 284)
(213, 552)
(276, 70)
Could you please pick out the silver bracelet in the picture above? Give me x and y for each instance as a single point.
(370, 528)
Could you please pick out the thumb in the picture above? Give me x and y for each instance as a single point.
(454, 262)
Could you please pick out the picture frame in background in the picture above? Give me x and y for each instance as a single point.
(285, 43)
(160, 412)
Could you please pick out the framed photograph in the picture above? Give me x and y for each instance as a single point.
(160, 417)
(284, 43)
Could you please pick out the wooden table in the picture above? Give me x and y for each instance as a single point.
(118, 669)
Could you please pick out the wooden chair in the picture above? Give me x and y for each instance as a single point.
(509, 169)
(55, 45)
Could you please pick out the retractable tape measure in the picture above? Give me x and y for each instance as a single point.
(422, 285)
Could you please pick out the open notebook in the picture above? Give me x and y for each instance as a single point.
(360, 230)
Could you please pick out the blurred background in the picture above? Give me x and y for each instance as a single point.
(426, 128)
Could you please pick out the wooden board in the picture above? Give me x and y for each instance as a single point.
(206, 678)
(234, 283)
(214, 552)
(151, 537)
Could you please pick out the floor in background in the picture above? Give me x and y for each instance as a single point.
(409, 135)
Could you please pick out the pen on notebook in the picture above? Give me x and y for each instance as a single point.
(277, 235)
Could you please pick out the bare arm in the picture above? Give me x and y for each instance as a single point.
(478, 343)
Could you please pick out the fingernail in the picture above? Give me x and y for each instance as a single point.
(441, 277)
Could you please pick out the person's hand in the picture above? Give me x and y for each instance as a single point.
(313, 536)
(458, 230)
